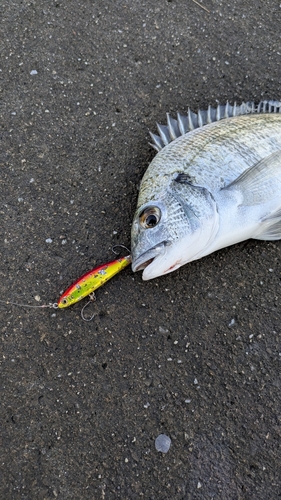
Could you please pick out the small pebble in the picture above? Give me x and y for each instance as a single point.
(49, 240)
(162, 443)
(163, 330)
(33, 72)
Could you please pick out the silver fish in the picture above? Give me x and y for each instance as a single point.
(215, 181)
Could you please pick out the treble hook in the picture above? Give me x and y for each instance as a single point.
(92, 298)
(119, 246)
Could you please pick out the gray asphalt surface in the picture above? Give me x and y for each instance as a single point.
(194, 355)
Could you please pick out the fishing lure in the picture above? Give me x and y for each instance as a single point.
(92, 280)
(89, 282)
(85, 285)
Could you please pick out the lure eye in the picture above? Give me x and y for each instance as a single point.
(64, 301)
(150, 217)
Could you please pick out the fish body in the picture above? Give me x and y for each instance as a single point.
(92, 280)
(215, 181)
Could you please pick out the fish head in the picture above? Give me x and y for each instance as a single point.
(172, 228)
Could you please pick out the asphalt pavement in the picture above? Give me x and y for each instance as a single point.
(195, 355)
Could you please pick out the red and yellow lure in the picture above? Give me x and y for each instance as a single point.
(85, 286)
(89, 282)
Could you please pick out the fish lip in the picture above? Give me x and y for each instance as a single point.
(147, 257)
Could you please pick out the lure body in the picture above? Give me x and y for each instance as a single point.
(92, 280)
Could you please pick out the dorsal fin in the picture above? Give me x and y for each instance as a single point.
(185, 123)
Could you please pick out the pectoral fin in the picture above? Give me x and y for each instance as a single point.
(260, 187)
(259, 183)
(271, 227)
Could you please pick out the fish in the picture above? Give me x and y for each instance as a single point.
(90, 281)
(215, 181)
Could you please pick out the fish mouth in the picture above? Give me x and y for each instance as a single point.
(143, 265)
(147, 257)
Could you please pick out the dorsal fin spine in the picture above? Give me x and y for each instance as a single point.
(174, 130)
(157, 142)
(218, 113)
(226, 113)
(164, 133)
(182, 123)
(186, 123)
(190, 121)
(209, 114)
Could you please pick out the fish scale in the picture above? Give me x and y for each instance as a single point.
(193, 170)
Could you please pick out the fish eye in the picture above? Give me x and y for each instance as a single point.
(150, 217)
